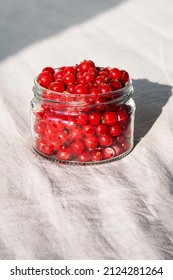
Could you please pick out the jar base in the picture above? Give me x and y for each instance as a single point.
(72, 162)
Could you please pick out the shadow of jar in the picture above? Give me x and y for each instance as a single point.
(150, 98)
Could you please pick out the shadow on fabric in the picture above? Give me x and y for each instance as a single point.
(25, 22)
(150, 98)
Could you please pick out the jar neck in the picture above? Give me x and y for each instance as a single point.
(119, 96)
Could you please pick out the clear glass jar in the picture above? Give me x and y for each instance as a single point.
(82, 129)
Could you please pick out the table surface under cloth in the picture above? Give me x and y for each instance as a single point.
(119, 210)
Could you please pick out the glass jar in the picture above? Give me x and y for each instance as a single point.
(82, 128)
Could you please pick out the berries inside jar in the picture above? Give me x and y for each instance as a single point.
(83, 114)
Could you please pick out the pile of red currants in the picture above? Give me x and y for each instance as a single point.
(82, 113)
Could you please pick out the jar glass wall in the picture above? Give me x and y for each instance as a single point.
(82, 128)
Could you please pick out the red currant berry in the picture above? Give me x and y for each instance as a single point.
(109, 118)
(94, 91)
(124, 76)
(96, 155)
(75, 134)
(50, 132)
(89, 77)
(106, 69)
(118, 149)
(108, 153)
(48, 150)
(81, 81)
(62, 68)
(92, 63)
(120, 139)
(40, 127)
(77, 148)
(115, 130)
(55, 145)
(100, 103)
(93, 71)
(69, 79)
(126, 130)
(84, 156)
(44, 79)
(85, 66)
(58, 75)
(57, 86)
(90, 86)
(40, 144)
(126, 145)
(69, 70)
(91, 141)
(101, 129)
(116, 85)
(71, 88)
(104, 74)
(122, 116)
(39, 113)
(94, 118)
(98, 81)
(82, 119)
(105, 140)
(64, 154)
(105, 88)
(62, 136)
(88, 130)
(115, 74)
(81, 89)
(58, 125)
(50, 70)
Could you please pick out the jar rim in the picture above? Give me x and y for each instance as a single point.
(126, 91)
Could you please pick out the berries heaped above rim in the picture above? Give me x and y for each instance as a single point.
(84, 78)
